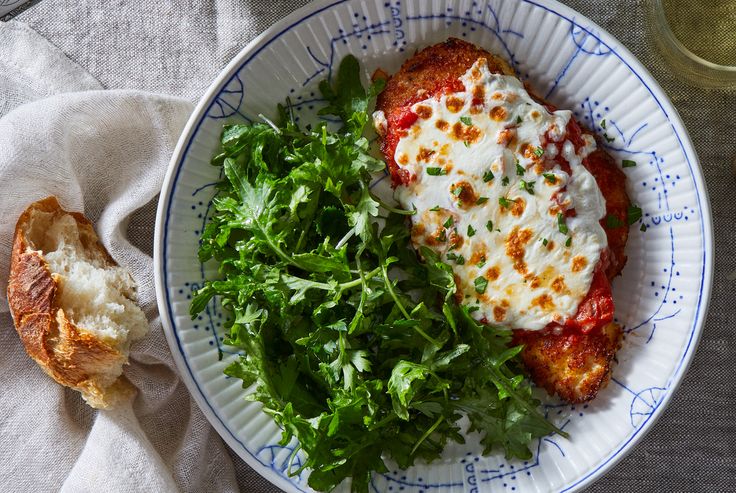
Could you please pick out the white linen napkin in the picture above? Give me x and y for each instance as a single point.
(104, 153)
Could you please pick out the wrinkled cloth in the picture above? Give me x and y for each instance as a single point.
(177, 48)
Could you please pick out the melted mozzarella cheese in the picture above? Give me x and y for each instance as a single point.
(491, 200)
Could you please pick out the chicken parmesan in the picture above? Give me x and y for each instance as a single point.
(519, 200)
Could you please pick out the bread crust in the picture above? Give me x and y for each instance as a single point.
(69, 354)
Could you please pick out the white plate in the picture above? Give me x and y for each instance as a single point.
(661, 299)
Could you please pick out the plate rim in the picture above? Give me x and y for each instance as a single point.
(300, 15)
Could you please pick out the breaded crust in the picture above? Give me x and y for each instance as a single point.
(433, 69)
(574, 366)
(71, 356)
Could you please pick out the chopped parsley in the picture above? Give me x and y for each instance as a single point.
(569, 241)
(443, 236)
(481, 200)
(628, 163)
(457, 191)
(561, 223)
(466, 120)
(467, 144)
(544, 241)
(435, 208)
(519, 169)
(643, 227)
(527, 186)
(471, 231)
(613, 222)
(449, 222)
(489, 226)
(505, 181)
(504, 202)
(550, 178)
(459, 259)
(481, 283)
(518, 120)
(538, 151)
(603, 124)
(432, 171)
(633, 214)
(608, 139)
(488, 176)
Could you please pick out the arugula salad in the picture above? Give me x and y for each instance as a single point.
(350, 338)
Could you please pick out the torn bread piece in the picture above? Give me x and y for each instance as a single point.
(74, 307)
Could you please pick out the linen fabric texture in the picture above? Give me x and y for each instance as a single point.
(105, 152)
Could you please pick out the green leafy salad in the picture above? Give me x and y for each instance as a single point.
(351, 339)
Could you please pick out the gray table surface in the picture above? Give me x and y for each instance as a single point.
(693, 446)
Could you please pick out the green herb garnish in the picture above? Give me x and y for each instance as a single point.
(432, 171)
(628, 163)
(489, 226)
(481, 283)
(527, 186)
(550, 178)
(449, 222)
(538, 151)
(471, 230)
(353, 345)
(561, 223)
(481, 200)
(466, 120)
(633, 214)
(505, 181)
(613, 222)
(488, 176)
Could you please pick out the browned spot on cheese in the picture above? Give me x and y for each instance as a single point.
(466, 197)
(544, 302)
(445, 149)
(527, 150)
(417, 233)
(539, 169)
(423, 111)
(499, 313)
(475, 72)
(470, 134)
(425, 154)
(454, 104)
(403, 159)
(415, 130)
(505, 303)
(496, 95)
(436, 238)
(578, 263)
(550, 245)
(558, 285)
(507, 137)
(476, 109)
(535, 282)
(498, 113)
(518, 206)
(493, 273)
(456, 239)
(479, 253)
(535, 114)
(442, 125)
(515, 243)
(479, 93)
